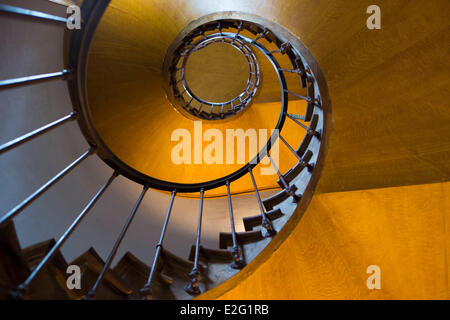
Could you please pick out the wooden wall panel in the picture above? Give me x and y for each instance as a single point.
(389, 88)
(403, 230)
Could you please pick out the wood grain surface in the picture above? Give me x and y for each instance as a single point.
(403, 230)
(389, 88)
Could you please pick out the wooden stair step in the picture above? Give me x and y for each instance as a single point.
(35, 253)
(171, 260)
(179, 269)
(13, 267)
(277, 198)
(226, 238)
(211, 255)
(135, 274)
(131, 260)
(253, 221)
(292, 173)
(299, 65)
(51, 281)
(91, 264)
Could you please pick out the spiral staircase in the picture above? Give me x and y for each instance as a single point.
(39, 271)
(105, 98)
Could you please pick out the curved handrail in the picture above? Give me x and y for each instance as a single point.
(76, 76)
(251, 86)
(79, 48)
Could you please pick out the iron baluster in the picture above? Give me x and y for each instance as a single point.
(287, 187)
(192, 288)
(16, 82)
(36, 133)
(92, 292)
(32, 13)
(309, 131)
(300, 159)
(146, 291)
(236, 251)
(264, 33)
(21, 289)
(237, 33)
(283, 48)
(297, 71)
(266, 223)
(308, 99)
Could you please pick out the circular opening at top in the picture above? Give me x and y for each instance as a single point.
(212, 77)
(217, 73)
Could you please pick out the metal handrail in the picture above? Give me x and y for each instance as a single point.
(77, 63)
(249, 91)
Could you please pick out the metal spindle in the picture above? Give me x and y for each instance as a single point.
(236, 252)
(237, 33)
(287, 187)
(25, 203)
(146, 290)
(299, 95)
(297, 116)
(189, 103)
(36, 133)
(283, 48)
(296, 121)
(262, 34)
(297, 71)
(309, 131)
(9, 83)
(92, 292)
(300, 159)
(266, 223)
(192, 288)
(32, 13)
(21, 289)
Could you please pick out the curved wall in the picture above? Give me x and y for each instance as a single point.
(403, 230)
(390, 93)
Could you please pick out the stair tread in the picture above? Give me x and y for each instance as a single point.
(172, 260)
(226, 238)
(135, 274)
(13, 267)
(130, 259)
(299, 64)
(292, 173)
(253, 221)
(94, 263)
(307, 139)
(35, 253)
(211, 255)
(277, 198)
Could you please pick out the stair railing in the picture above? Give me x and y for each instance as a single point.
(76, 76)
